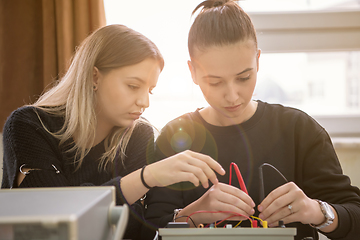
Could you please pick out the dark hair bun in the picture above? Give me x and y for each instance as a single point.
(211, 4)
(218, 3)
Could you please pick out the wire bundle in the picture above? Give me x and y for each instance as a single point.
(253, 220)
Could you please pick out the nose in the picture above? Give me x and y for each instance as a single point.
(231, 93)
(143, 100)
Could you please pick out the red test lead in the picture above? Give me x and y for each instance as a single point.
(239, 177)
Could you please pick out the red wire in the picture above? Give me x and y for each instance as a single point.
(242, 187)
(231, 216)
(239, 177)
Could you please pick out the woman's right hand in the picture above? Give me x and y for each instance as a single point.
(185, 166)
(220, 197)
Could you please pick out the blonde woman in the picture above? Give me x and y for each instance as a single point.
(88, 130)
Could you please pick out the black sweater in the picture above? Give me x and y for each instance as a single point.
(286, 138)
(27, 142)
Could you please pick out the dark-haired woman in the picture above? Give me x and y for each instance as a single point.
(88, 130)
(315, 196)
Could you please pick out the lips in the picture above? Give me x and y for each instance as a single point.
(135, 115)
(233, 108)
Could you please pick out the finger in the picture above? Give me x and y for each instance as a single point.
(209, 173)
(238, 193)
(188, 176)
(225, 207)
(238, 208)
(209, 161)
(234, 200)
(238, 205)
(198, 173)
(277, 208)
(278, 192)
(285, 213)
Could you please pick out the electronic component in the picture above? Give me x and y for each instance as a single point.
(228, 234)
(177, 225)
(71, 213)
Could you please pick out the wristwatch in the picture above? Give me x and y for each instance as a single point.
(328, 213)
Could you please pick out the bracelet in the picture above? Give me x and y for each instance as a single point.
(142, 178)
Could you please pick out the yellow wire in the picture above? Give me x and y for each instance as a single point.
(215, 226)
(237, 224)
(257, 218)
(264, 223)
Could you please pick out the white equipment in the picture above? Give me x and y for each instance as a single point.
(227, 234)
(67, 213)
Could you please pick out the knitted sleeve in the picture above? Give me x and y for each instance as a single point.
(138, 153)
(27, 143)
(161, 201)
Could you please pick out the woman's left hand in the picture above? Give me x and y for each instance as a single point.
(290, 204)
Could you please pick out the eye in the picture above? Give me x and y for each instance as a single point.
(243, 79)
(215, 84)
(133, 87)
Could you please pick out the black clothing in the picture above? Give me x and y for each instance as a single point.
(284, 137)
(27, 142)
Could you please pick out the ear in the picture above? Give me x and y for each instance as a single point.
(96, 74)
(257, 58)
(192, 71)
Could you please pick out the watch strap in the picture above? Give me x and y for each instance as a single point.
(325, 208)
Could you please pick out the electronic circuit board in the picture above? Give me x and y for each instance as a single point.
(227, 234)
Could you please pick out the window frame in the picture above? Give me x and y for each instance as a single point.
(313, 31)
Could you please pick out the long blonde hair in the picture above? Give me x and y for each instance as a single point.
(73, 98)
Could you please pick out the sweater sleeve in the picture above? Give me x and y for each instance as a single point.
(27, 143)
(324, 180)
(161, 201)
(139, 152)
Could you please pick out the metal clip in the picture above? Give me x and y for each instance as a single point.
(25, 173)
(57, 171)
(143, 197)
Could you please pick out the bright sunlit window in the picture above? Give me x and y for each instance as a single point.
(320, 77)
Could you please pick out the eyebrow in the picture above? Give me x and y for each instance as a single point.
(140, 80)
(137, 78)
(213, 76)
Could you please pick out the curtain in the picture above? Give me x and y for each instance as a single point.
(37, 41)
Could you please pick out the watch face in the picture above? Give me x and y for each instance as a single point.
(329, 212)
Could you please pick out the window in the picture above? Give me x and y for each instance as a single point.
(310, 56)
(317, 61)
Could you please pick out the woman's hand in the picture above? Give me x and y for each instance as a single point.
(185, 166)
(220, 197)
(290, 204)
